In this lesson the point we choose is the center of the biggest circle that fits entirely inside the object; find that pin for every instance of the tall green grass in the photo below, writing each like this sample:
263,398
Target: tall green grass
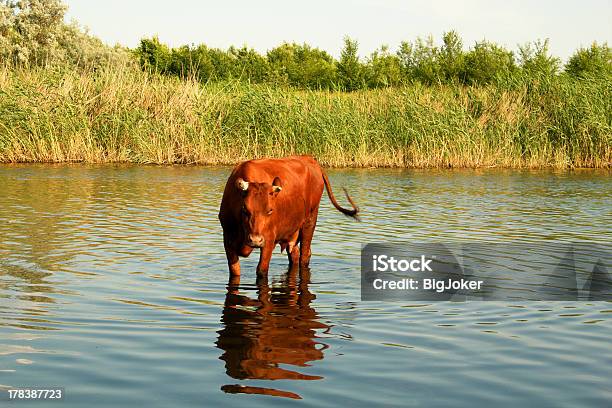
125,115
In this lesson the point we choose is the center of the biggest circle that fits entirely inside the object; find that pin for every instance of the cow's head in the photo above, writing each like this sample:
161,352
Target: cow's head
258,204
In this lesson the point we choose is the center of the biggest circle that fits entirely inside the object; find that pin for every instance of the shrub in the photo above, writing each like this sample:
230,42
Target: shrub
350,70
383,69
303,66
33,33
535,60
487,62
595,60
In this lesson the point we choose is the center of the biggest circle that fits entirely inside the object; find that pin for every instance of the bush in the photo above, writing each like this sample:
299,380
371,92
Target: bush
452,58
383,69
154,56
303,66
350,70
535,60
419,61
487,62
248,64
33,33
595,60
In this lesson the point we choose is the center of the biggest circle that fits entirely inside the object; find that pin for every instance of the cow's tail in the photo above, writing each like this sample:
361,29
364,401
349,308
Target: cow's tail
351,213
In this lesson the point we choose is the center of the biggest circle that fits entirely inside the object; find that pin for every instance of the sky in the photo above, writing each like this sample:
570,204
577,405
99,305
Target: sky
265,24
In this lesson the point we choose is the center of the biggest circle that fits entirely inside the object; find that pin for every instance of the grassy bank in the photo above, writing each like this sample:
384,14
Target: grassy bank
125,115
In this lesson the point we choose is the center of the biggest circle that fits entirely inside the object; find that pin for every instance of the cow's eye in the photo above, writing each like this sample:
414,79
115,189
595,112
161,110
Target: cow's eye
270,211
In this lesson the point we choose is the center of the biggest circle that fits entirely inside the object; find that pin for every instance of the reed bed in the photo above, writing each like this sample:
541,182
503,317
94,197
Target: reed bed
121,114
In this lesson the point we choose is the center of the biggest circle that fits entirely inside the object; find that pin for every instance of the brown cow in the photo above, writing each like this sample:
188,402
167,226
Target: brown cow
274,201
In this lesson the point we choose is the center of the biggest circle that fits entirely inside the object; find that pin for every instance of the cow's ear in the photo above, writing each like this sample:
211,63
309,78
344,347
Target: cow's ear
241,184
276,185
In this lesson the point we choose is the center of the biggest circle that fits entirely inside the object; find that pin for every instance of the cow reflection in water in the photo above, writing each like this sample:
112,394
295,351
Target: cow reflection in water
278,328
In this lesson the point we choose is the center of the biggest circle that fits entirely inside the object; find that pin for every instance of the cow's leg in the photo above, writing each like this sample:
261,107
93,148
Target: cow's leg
306,236
264,257
232,258
294,256
233,284
293,251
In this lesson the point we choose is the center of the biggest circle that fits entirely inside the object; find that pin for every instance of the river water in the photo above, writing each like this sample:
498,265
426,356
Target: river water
114,286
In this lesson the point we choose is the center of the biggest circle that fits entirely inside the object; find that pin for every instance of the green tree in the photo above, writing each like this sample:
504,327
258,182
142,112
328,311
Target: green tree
451,57
350,70
249,65
406,61
487,62
595,60
8,35
302,66
30,30
154,56
535,60
201,63
383,69
33,33
223,64
425,61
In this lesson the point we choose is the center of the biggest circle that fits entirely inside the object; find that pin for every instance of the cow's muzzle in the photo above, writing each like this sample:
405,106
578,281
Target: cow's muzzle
256,241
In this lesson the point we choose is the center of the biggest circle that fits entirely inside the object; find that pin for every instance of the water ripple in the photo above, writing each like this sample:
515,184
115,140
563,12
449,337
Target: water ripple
113,284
